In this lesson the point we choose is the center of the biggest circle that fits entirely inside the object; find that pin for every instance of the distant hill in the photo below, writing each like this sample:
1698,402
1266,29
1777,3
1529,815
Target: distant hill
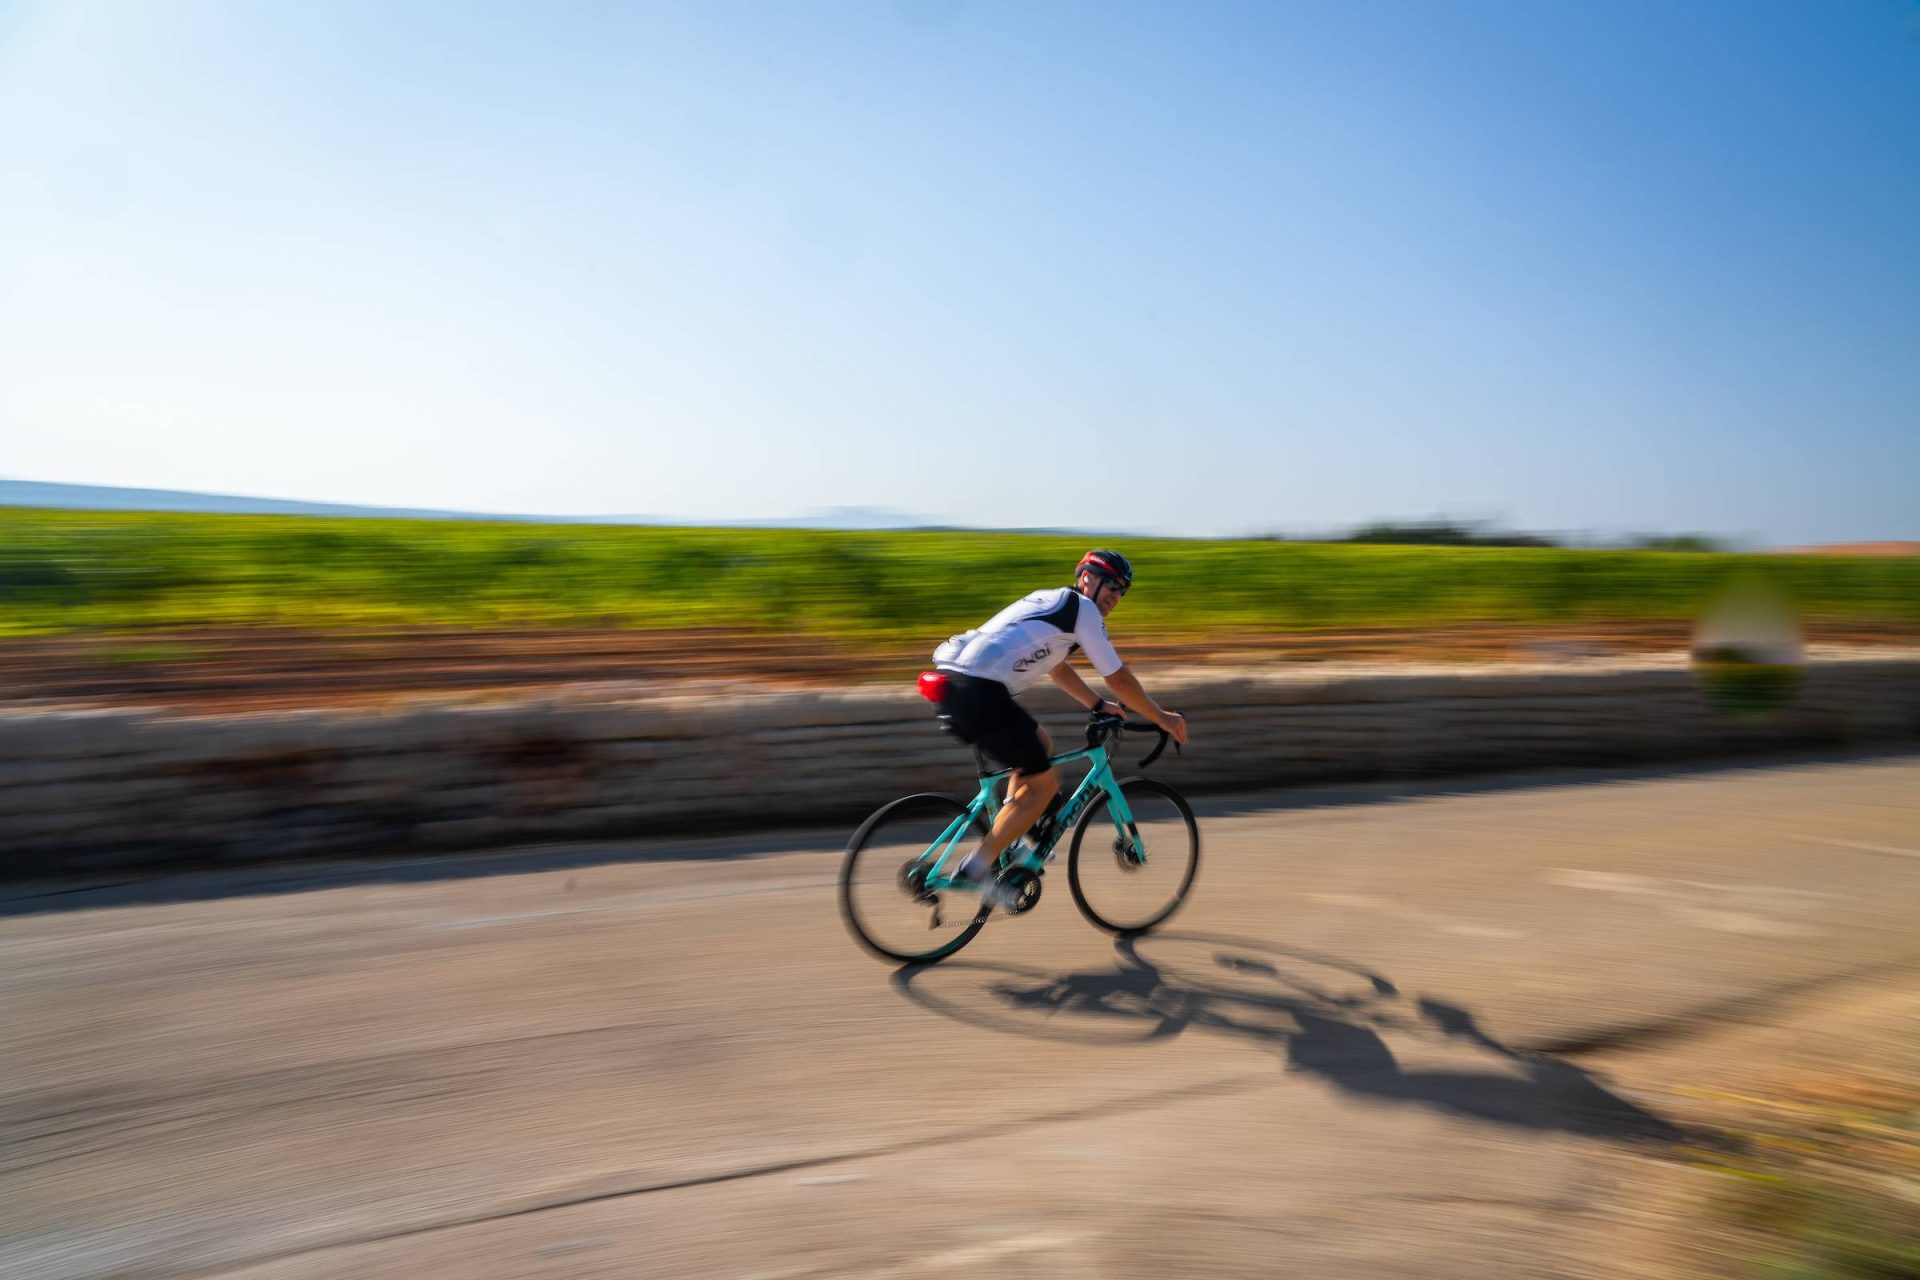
833,518
100,497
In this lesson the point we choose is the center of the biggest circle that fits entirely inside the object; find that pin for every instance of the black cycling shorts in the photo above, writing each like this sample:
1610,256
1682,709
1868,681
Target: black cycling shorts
984,713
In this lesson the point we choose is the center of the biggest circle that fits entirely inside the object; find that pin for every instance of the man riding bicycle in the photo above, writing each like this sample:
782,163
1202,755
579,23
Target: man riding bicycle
1030,638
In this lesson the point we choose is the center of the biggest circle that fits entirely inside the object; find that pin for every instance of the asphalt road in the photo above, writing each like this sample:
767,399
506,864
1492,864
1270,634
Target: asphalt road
1356,1052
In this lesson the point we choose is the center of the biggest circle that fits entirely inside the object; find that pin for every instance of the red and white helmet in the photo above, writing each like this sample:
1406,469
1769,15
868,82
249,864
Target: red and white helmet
1110,565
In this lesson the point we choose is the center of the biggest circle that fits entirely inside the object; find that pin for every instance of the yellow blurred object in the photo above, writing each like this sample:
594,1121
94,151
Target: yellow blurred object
1749,651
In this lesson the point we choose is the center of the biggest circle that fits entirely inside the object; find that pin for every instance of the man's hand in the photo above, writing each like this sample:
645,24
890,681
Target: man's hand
1175,724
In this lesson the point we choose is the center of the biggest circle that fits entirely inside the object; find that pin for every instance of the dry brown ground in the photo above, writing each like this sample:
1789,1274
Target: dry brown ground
253,669
1818,1096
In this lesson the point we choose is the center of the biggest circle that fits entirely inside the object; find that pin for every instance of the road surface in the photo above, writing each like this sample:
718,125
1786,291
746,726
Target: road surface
1356,1052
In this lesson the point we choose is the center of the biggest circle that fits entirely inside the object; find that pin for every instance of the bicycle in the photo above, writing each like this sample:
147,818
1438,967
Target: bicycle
902,858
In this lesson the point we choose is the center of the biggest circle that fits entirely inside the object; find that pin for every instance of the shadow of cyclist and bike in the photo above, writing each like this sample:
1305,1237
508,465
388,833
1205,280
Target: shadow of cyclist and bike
1328,1018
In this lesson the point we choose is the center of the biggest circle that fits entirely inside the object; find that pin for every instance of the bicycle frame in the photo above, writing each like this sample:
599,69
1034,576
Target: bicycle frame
1099,778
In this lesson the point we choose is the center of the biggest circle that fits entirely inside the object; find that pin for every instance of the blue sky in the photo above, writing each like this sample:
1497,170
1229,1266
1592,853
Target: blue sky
1189,268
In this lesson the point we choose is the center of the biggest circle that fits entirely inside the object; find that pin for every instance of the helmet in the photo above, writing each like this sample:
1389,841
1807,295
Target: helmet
1110,565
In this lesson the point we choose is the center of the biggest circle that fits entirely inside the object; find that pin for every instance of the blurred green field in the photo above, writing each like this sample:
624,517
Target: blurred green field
138,572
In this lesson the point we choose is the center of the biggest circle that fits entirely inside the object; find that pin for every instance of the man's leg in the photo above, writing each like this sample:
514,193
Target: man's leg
1025,803
1028,795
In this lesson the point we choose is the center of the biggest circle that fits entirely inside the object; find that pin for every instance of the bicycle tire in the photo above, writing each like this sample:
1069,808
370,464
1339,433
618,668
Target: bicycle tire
1130,787
928,811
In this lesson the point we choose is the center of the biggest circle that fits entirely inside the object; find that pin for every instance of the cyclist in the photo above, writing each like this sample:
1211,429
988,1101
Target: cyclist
1028,639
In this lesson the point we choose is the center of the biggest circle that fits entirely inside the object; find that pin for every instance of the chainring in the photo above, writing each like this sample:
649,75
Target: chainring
1024,886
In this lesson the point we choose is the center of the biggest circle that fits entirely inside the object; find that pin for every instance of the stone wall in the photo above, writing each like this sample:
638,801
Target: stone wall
86,790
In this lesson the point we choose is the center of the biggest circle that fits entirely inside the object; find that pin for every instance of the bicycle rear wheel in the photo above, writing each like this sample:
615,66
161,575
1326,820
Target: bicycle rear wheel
1129,878
885,909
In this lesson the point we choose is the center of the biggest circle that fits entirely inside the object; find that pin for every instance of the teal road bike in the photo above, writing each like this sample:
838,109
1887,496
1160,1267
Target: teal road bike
1135,850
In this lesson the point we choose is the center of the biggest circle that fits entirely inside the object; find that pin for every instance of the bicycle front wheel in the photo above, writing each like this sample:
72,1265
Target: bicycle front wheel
882,894
1128,877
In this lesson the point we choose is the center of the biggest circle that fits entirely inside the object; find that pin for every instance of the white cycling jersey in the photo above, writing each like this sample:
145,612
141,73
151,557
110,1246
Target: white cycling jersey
1031,637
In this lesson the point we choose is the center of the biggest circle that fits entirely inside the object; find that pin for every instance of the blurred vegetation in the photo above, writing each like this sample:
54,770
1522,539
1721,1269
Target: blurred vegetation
1442,533
1829,1183
1675,542
132,571
1453,533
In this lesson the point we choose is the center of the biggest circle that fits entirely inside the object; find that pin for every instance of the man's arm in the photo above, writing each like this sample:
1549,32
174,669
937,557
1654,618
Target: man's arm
1090,629
1074,687
1126,687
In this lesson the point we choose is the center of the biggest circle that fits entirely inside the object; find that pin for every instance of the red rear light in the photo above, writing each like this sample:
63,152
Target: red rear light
933,685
